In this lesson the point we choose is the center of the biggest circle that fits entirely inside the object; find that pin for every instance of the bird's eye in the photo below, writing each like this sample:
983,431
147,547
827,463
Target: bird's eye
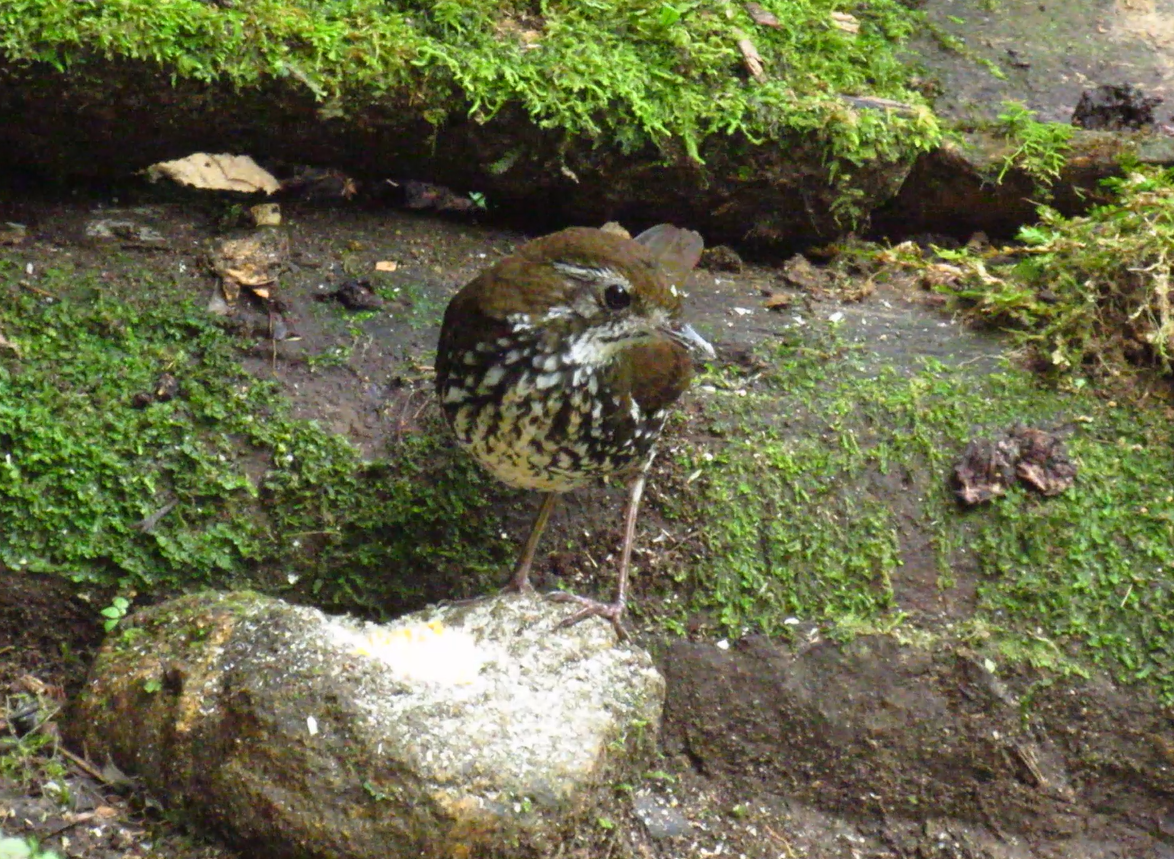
616,297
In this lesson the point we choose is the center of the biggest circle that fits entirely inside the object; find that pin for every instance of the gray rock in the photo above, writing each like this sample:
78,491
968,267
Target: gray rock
660,819
476,730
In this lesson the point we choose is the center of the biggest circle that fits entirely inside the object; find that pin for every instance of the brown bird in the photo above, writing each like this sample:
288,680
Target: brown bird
558,366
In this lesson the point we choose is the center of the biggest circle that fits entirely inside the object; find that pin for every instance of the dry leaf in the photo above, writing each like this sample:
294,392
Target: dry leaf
386,265
312,183
254,261
425,195
751,58
778,301
762,17
216,173
250,276
989,466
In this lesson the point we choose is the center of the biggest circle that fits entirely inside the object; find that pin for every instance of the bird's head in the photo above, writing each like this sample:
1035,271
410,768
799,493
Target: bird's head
592,292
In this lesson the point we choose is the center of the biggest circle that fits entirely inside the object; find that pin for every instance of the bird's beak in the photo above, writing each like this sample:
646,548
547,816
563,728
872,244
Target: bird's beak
691,340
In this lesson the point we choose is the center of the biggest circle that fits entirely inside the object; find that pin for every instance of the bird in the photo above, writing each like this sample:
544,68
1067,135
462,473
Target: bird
557,367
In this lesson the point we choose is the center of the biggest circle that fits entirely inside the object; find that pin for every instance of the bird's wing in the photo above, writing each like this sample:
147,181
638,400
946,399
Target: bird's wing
676,250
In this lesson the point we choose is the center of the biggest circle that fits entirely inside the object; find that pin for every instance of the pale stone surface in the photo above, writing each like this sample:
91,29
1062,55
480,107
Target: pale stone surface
475,730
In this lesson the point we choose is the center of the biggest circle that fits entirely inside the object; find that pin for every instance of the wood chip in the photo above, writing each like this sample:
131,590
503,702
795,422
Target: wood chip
751,58
386,265
762,17
848,23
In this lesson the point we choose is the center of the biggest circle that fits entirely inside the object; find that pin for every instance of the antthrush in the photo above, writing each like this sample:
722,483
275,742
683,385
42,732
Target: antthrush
558,365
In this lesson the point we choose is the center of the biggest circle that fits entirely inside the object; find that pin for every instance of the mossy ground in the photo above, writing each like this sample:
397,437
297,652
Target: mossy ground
794,500
627,73
804,478
829,457
794,486
248,492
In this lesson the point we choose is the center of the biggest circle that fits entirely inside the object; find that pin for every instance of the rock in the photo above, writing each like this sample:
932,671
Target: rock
475,730
660,819
781,189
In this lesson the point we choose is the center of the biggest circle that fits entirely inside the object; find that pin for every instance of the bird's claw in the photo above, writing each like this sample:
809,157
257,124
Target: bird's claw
524,588
613,612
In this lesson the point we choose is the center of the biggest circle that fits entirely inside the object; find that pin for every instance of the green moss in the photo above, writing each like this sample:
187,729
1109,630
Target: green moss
1039,149
1090,294
248,492
824,463
622,72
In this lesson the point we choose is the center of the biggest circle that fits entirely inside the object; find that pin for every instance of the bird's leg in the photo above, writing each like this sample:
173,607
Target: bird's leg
613,611
520,581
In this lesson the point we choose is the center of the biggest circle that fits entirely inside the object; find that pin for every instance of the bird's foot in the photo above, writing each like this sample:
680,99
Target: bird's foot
613,612
518,586
514,586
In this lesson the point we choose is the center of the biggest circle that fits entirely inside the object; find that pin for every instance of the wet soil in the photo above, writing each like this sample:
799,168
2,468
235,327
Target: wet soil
878,749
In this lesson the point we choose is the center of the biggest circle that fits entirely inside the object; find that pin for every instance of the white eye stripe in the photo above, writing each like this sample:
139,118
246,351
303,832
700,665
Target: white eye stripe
591,274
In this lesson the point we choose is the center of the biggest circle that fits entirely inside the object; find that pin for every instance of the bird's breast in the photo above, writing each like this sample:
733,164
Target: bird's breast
537,419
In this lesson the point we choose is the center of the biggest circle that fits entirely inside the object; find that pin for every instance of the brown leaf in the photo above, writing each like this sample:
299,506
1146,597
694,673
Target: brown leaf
248,275
778,301
676,249
1037,457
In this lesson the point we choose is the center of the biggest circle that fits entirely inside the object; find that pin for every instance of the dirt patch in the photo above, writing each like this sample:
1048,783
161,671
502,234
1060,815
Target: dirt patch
875,734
